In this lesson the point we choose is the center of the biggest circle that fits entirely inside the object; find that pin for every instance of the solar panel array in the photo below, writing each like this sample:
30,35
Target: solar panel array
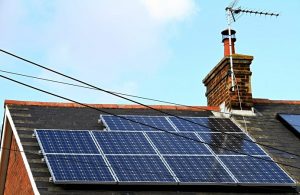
131,153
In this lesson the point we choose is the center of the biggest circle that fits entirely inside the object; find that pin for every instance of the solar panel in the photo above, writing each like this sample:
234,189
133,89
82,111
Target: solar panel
167,143
204,124
117,123
59,141
79,169
253,170
292,121
235,144
114,142
198,169
140,169
130,153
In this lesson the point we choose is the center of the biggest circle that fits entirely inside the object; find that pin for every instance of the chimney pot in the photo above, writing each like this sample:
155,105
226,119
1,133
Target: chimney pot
225,40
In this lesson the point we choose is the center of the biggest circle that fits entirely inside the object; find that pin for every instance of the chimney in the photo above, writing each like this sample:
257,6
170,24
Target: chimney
218,81
225,40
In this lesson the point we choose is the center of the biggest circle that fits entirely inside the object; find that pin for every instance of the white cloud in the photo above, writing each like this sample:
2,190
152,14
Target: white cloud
112,43
170,10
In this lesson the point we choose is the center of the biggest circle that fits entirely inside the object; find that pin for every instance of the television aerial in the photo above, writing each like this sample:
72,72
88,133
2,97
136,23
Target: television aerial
233,13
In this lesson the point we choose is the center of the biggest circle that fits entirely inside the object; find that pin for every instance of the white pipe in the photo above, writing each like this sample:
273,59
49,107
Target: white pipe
230,49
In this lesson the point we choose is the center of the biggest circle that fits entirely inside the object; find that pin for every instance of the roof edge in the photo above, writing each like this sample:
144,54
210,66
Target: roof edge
268,101
223,60
110,106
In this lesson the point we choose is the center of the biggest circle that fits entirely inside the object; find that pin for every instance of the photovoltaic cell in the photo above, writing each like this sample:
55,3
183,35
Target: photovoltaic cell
205,124
117,123
59,141
253,170
79,169
114,142
235,144
140,169
168,143
198,169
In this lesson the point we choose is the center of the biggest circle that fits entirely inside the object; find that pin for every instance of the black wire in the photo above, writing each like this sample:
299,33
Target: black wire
82,86
238,137
137,122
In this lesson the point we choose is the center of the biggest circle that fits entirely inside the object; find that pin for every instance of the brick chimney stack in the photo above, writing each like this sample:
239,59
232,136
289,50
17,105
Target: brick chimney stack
218,80
225,40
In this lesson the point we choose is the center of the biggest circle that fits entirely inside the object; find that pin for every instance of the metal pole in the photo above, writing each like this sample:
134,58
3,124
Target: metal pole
230,49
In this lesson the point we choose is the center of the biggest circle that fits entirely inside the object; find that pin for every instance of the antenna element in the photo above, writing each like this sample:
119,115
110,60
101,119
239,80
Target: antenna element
232,14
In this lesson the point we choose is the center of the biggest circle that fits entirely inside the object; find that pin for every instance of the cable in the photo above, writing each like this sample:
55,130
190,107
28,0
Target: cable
238,137
135,96
239,98
109,92
82,86
137,122
120,96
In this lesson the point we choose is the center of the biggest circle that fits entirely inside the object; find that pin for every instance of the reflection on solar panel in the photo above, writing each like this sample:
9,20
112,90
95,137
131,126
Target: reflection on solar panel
234,144
173,144
198,169
113,142
116,123
79,169
292,121
205,124
140,169
252,170
132,154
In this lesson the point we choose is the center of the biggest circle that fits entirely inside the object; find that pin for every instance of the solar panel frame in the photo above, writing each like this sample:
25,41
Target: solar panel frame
233,170
65,181
139,126
50,167
45,150
123,181
192,160
105,141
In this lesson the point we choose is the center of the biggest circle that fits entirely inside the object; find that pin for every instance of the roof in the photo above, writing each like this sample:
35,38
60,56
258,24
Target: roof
27,116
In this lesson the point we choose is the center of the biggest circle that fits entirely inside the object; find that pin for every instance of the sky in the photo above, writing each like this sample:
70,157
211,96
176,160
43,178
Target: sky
158,49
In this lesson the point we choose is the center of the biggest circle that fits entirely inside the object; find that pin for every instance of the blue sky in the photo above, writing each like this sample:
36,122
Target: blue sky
153,48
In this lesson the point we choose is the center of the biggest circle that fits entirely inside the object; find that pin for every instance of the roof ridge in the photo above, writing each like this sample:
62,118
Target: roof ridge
109,106
268,101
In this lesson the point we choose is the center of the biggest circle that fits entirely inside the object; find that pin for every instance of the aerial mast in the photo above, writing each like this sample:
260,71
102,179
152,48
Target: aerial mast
232,12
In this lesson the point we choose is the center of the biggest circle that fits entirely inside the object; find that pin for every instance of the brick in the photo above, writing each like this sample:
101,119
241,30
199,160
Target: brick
218,90
17,180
